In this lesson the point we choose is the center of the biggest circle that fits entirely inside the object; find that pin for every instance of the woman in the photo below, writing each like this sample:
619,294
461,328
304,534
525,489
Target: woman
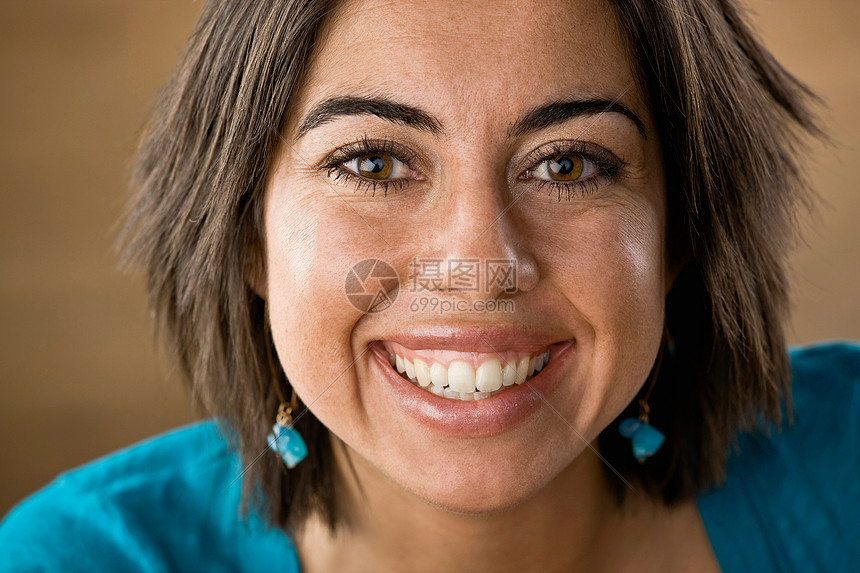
513,272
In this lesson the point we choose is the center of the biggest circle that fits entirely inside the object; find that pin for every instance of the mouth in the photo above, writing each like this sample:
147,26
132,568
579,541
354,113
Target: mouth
465,376
464,383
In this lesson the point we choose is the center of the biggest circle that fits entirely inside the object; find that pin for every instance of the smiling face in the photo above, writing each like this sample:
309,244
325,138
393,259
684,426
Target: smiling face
513,131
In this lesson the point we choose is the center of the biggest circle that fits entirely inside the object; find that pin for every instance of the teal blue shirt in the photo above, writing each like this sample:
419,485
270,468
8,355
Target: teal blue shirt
791,501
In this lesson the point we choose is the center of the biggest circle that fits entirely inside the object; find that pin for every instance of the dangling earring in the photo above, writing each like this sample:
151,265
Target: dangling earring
284,439
645,438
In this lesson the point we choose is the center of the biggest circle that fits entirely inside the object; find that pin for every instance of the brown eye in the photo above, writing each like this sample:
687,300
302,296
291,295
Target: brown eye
376,166
565,168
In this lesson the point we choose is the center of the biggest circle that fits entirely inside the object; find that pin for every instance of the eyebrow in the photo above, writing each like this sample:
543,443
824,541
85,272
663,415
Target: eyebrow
541,117
558,112
380,107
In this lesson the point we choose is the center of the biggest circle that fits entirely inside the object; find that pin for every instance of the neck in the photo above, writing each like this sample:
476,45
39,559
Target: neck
571,524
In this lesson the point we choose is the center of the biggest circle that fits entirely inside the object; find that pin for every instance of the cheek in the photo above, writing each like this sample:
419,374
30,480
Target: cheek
612,276
629,273
629,308
309,253
610,263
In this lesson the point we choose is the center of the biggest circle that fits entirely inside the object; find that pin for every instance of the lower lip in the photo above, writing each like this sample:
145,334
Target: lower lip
476,418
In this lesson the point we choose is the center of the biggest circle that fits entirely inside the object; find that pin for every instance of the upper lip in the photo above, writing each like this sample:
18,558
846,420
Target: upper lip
474,338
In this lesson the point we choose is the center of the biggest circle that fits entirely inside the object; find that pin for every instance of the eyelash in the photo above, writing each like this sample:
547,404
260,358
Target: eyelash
333,163
608,164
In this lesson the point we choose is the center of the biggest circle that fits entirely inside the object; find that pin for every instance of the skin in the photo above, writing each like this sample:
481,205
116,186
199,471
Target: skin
593,268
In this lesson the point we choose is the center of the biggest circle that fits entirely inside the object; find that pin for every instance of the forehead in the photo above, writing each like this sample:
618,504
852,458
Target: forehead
466,59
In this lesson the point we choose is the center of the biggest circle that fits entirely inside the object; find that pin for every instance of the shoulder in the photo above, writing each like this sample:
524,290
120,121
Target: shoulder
791,495
824,438
169,503
826,371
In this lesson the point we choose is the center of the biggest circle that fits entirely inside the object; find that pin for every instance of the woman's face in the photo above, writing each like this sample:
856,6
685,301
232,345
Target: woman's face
446,137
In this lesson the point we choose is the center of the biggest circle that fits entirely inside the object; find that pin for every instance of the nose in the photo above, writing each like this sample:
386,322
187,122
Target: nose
482,248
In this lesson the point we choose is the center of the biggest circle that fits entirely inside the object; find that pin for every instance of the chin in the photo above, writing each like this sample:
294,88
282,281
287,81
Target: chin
487,479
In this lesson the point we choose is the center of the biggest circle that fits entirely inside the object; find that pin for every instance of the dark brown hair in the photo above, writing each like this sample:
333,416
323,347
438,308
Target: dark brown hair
729,120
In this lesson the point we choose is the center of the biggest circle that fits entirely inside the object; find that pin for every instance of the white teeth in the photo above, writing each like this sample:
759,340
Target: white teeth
422,372
448,393
461,376
438,375
541,361
538,363
410,370
509,374
522,370
460,381
489,376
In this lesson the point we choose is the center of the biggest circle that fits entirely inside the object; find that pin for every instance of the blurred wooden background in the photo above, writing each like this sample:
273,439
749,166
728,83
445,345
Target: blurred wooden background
79,373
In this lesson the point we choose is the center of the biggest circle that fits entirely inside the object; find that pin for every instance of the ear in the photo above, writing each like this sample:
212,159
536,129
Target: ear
254,271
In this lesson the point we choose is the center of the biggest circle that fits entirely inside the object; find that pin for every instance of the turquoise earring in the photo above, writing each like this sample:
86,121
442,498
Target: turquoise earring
284,439
645,438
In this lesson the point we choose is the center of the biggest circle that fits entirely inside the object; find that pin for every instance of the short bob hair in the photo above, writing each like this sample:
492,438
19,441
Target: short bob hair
730,122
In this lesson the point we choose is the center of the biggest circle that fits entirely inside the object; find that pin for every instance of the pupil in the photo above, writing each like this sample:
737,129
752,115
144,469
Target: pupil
563,166
373,164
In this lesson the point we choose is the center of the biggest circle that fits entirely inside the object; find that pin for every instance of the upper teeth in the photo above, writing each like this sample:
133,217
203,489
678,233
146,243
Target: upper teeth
460,379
